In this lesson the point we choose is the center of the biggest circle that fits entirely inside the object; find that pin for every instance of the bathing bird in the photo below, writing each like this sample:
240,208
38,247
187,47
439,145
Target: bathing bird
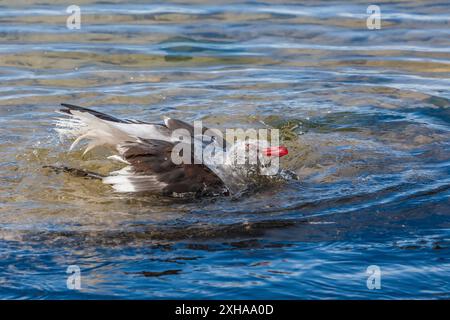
151,152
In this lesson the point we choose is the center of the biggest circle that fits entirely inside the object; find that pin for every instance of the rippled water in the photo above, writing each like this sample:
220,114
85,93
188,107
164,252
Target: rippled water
365,114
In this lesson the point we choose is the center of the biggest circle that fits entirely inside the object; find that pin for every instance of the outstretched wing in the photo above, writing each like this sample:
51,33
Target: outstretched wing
68,108
102,129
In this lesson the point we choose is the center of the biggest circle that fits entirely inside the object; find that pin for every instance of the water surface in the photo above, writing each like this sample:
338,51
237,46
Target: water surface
365,114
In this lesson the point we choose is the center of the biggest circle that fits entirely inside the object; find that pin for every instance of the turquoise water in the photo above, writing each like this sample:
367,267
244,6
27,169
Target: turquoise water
364,113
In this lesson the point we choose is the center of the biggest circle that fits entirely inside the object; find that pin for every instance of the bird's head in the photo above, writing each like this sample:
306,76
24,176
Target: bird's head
255,153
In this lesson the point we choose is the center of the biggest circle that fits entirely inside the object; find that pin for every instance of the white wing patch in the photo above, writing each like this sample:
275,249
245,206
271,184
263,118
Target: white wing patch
125,180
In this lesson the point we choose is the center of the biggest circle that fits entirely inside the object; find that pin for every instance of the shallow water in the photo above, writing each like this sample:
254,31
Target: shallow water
365,114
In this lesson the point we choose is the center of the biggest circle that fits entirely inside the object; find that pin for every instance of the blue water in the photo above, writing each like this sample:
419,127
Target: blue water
364,113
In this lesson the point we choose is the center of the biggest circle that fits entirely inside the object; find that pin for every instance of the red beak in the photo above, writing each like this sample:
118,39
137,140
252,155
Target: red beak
275,151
